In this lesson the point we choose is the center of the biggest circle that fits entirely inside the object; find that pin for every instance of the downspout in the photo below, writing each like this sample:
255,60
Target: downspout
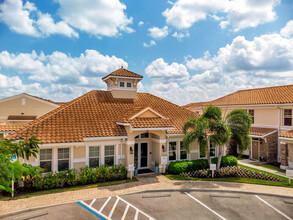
279,122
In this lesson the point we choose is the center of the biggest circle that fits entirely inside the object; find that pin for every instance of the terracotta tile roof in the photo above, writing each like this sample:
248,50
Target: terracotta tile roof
11,127
257,131
2,122
268,95
21,117
95,115
125,73
196,105
288,134
150,123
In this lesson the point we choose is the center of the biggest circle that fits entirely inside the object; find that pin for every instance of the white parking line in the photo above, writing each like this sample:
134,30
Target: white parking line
96,211
104,205
113,208
277,210
136,215
93,202
137,210
125,212
217,214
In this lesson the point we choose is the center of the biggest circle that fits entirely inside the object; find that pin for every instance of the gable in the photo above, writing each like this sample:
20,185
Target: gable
147,113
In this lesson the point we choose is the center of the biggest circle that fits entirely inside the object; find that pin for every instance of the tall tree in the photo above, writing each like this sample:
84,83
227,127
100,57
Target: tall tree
211,127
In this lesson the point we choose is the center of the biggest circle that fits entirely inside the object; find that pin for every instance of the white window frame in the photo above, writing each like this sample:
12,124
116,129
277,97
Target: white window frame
287,117
172,150
110,145
63,158
214,147
95,157
123,84
180,150
47,160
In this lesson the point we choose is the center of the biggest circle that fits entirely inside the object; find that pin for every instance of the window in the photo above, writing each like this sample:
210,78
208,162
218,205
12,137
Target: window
63,159
288,117
212,150
172,150
121,84
183,153
129,85
46,159
251,112
109,155
144,135
94,153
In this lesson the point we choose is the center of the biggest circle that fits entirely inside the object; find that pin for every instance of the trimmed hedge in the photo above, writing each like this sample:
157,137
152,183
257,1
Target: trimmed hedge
178,167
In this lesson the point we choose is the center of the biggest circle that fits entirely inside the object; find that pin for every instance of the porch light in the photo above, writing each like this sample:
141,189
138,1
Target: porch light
131,150
163,148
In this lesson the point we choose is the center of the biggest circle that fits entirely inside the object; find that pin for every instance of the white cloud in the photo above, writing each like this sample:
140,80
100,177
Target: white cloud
287,31
140,23
18,18
160,70
264,61
180,35
59,68
237,14
47,26
152,43
96,17
158,33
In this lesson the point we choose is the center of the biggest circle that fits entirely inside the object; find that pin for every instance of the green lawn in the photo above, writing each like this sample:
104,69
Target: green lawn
269,167
44,192
238,179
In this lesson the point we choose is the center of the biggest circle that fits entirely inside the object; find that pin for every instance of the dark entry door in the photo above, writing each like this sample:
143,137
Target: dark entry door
136,153
143,155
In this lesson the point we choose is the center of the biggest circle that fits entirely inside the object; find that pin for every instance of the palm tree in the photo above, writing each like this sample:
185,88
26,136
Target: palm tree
211,128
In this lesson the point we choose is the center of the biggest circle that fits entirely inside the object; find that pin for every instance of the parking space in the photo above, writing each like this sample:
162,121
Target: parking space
172,205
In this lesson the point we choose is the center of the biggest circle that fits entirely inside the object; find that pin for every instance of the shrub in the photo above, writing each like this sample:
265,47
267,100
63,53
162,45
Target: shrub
232,171
85,175
178,167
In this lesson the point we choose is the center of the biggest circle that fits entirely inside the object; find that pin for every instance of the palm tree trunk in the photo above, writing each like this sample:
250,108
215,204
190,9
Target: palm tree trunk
219,158
209,157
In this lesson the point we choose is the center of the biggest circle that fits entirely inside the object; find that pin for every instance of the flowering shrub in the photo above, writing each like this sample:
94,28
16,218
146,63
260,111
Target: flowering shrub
86,175
232,171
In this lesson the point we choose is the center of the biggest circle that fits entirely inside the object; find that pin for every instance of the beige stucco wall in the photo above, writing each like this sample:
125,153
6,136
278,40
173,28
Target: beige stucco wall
78,165
123,94
290,152
31,107
79,152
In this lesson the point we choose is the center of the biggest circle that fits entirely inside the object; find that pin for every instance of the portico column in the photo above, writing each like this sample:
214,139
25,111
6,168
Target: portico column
129,155
163,152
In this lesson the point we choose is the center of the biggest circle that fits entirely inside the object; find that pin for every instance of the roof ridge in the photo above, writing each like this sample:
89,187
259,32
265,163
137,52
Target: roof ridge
269,87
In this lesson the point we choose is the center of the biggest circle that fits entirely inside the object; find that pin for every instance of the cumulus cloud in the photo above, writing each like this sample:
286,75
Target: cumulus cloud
287,31
180,35
264,61
237,14
140,23
96,17
158,33
60,68
160,70
152,43
18,18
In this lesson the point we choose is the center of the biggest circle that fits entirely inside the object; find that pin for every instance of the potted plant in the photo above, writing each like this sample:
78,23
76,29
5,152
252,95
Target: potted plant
135,169
156,167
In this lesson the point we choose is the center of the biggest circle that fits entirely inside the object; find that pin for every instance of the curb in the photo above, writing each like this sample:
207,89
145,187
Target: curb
149,191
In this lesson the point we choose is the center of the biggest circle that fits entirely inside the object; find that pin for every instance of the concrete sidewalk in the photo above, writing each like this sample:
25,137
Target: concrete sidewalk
247,162
148,182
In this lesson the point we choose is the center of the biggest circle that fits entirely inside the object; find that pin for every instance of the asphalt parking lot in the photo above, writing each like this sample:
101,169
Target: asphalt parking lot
171,205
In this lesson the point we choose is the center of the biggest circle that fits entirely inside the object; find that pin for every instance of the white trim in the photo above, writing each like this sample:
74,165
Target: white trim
121,77
71,157
62,144
79,160
28,96
174,135
103,138
116,160
284,138
132,89
144,129
130,142
147,109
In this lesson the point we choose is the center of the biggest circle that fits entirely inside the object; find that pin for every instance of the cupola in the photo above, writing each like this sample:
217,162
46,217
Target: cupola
122,83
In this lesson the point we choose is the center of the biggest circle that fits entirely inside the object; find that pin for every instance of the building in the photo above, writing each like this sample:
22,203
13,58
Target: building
117,126
17,111
271,111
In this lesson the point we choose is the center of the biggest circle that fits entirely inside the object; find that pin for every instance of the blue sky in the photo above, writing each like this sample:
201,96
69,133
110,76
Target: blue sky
187,51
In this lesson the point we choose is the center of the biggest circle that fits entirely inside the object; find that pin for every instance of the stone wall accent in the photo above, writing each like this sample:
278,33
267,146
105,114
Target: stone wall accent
284,154
269,148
